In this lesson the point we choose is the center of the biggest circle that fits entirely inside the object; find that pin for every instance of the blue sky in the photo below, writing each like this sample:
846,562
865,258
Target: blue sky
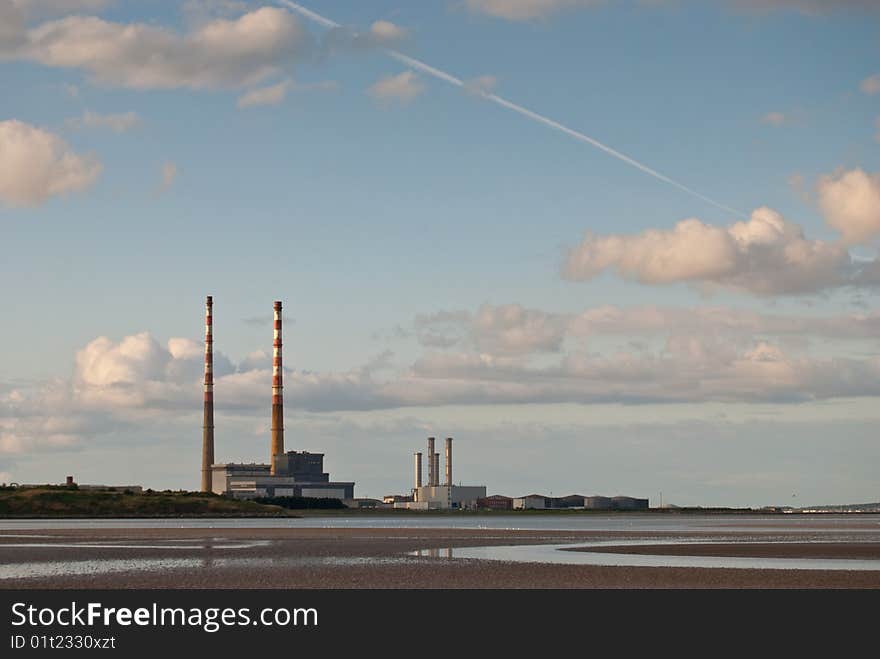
432,247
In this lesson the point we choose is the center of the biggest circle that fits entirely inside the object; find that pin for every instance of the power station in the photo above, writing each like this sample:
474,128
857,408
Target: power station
291,473
433,495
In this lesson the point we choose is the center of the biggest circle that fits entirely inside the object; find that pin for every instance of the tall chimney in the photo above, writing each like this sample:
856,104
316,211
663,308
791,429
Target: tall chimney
277,395
449,461
430,461
436,469
208,425
418,470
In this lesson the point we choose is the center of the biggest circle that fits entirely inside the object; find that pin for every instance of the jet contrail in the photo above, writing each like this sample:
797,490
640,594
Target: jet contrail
519,109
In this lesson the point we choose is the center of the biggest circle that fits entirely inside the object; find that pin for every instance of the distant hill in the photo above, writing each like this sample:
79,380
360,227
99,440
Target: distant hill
62,501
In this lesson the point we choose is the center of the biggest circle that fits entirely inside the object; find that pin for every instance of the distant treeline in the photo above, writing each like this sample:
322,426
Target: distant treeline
302,503
54,501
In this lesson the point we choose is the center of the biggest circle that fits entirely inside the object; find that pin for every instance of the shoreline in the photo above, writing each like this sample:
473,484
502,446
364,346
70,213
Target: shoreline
300,513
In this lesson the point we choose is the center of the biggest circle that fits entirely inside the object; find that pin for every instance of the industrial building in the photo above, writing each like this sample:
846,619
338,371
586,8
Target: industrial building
541,502
531,502
495,502
433,495
615,503
288,474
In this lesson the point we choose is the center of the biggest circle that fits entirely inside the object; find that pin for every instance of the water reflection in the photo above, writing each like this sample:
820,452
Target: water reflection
556,554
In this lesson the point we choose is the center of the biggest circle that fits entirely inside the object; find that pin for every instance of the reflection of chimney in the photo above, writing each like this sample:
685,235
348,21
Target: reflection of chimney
436,469
430,461
449,461
418,469
277,395
208,425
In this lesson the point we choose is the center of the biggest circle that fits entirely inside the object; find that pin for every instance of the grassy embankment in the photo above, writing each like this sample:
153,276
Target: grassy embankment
61,501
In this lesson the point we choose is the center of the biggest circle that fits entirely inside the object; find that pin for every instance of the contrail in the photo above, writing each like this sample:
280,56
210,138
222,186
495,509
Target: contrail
519,109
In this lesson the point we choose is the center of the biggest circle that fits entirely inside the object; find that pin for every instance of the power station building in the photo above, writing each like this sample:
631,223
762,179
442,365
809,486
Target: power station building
290,473
433,495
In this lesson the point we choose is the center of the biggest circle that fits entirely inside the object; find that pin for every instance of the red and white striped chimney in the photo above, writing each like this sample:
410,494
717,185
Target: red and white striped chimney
208,425
277,395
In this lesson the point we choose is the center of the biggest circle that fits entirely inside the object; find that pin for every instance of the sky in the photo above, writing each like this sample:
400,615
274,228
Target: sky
634,251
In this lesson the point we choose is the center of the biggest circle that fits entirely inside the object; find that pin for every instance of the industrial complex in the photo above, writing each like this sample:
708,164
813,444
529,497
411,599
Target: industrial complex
301,473
288,474
433,495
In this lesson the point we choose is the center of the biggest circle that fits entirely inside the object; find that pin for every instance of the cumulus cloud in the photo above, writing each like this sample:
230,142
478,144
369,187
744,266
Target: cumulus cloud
272,95
387,32
118,123
403,87
222,53
871,85
138,371
850,201
36,165
766,255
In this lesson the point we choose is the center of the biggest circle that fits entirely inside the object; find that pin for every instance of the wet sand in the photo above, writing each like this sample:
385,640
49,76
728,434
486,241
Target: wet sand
379,558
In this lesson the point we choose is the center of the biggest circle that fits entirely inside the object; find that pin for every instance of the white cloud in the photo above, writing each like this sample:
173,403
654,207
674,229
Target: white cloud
513,329
509,329
221,53
850,201
774,119
871,85
118,123
36,165
403,87
387,32
505,354
524,10
272,95
766,255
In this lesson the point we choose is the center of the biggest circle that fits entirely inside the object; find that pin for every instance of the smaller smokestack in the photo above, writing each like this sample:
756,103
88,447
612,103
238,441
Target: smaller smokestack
418,470
449,461
436,470
430,461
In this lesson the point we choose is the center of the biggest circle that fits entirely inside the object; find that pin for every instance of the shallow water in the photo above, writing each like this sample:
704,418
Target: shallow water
533,522
558,554
100,566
